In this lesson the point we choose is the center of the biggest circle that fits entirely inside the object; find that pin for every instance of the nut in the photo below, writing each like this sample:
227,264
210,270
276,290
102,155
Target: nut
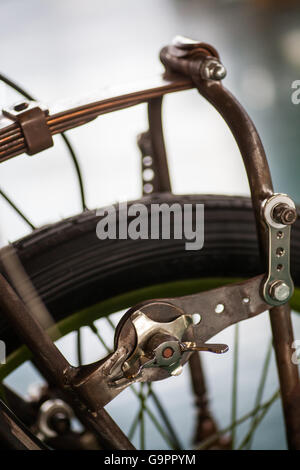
284,214
212,69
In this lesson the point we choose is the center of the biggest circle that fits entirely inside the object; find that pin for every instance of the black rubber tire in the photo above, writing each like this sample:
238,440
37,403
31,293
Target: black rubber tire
72,269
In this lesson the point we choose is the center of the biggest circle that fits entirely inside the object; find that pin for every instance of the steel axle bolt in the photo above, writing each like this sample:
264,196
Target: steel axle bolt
279,290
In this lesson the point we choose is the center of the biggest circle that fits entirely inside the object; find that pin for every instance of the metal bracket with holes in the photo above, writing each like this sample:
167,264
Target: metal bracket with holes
279,213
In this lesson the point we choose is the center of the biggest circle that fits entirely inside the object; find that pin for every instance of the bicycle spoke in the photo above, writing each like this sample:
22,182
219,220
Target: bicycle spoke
234,383
29,97
156,422
77,170
110,322
255,422
260,389
95,330
160,429
133,427
16,209
165,419
78,347
141,418
212,439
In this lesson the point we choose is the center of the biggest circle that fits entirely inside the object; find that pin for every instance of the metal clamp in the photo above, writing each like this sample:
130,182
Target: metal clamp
31,117
279,213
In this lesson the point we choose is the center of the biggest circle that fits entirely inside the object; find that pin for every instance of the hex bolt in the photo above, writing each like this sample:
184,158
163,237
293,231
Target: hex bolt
212,69
279,290
284,214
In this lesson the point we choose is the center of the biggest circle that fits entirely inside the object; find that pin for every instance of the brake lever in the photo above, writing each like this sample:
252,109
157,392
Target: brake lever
191,346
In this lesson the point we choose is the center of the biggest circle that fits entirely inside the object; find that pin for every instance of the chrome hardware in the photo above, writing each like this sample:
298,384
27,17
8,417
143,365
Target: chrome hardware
278,287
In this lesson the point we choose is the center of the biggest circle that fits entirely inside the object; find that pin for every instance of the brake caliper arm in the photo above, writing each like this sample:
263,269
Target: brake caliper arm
154,339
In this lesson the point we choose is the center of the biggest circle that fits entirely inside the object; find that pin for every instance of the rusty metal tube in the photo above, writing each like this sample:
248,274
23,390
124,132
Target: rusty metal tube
56,367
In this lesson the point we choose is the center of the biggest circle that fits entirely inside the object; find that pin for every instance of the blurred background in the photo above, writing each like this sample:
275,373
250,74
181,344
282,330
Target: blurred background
66,49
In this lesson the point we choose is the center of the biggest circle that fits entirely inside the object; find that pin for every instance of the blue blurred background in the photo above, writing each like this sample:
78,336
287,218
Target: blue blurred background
66,49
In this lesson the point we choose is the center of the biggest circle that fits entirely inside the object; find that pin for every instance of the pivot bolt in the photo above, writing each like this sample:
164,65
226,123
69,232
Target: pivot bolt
213,70
279,290
284,214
